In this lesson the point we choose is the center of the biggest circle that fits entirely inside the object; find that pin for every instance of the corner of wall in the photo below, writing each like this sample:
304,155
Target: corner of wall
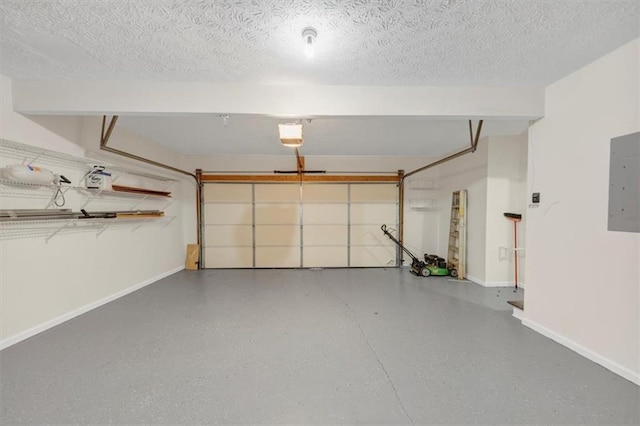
506,192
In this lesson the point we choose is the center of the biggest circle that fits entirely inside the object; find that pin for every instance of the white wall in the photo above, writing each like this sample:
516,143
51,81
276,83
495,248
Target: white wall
43,283
582,280
467,172
506,192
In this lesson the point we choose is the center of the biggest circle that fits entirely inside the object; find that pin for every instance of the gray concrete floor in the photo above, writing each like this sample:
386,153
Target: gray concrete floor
302,346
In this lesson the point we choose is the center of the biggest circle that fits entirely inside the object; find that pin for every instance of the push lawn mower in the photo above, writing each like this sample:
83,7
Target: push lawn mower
438,266
432,264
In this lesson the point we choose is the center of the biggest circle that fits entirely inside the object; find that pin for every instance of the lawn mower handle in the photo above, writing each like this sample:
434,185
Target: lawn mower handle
384,229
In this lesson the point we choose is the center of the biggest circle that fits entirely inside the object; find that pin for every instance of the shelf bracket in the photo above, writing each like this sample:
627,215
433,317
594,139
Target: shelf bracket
137,203
91,197
140,225
169,222
33,159
169,203
66,225
104,228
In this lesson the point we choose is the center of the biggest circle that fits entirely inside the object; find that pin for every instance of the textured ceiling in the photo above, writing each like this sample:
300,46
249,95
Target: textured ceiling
360,42
206,134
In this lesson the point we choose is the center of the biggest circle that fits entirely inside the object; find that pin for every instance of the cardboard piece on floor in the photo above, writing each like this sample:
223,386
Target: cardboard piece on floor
193,254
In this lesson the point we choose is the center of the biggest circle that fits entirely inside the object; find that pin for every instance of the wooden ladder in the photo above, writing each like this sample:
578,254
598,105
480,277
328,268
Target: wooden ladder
456,258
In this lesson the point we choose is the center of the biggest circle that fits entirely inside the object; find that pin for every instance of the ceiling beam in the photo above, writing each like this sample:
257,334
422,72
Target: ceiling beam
170,98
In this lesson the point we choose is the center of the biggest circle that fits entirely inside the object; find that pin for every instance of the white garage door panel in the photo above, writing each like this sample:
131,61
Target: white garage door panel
373,256
325,257
278,235
228,214
325,193
277,193
277,257
264,224
228,235
228,193
374,214
374,193
369,235
228,257
325,235
325,214
275,214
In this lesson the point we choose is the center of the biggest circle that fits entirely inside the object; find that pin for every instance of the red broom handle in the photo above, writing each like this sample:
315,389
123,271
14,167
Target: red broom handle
515,248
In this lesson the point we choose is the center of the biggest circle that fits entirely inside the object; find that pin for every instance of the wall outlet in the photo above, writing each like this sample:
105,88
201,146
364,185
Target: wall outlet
535,197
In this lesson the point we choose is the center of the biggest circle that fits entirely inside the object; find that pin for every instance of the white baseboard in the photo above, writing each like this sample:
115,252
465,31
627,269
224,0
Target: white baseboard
518,313
493,283
12,340
585,352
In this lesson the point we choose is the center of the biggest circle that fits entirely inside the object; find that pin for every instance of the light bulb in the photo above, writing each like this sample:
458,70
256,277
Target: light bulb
309,35
308,47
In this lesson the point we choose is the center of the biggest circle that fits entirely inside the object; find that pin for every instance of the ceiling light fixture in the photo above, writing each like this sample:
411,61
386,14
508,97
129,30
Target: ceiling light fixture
291,134
309,35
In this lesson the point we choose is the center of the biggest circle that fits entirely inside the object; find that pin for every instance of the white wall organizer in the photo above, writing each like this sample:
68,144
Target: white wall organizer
424,204
423,184
136,192
423,194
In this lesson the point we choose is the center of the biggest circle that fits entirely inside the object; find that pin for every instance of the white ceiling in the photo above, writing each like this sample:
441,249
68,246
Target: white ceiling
383,136
373,42
360,42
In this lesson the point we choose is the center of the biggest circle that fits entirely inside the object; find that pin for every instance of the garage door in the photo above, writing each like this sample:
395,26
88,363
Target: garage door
284,225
